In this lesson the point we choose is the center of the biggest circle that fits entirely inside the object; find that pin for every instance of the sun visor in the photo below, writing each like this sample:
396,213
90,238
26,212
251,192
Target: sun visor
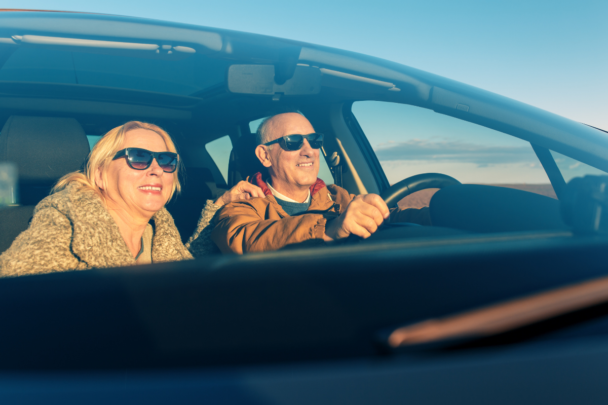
260,79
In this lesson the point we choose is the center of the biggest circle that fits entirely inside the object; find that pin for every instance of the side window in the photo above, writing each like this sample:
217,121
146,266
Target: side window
254,125
410,140
324,172
571,168
219,150
93,139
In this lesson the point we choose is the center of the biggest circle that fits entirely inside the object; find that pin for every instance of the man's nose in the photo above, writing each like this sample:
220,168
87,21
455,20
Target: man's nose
306,149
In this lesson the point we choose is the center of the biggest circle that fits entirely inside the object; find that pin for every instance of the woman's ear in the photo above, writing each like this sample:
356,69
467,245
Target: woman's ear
99,179
261,152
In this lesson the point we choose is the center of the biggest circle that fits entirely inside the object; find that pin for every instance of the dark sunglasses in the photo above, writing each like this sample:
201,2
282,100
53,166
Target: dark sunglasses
295,142
141,159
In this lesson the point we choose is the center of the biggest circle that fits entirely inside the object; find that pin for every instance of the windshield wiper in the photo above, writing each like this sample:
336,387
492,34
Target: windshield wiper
503,317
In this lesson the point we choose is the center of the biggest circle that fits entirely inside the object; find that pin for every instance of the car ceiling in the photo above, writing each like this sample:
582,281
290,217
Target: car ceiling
347,77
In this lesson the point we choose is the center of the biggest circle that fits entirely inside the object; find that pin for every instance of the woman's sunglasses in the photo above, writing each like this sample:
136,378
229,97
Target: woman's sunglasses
295,142
141,159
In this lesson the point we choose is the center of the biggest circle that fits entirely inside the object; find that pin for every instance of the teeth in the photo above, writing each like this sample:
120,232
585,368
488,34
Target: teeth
305,164
149,188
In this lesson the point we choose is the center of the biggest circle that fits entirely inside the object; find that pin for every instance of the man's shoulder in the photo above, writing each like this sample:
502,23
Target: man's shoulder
240,207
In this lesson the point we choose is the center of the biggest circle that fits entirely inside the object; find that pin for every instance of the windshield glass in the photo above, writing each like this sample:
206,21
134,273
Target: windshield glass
410,140
571,168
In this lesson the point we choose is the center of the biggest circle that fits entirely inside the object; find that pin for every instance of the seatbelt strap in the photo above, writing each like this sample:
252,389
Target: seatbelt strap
336,168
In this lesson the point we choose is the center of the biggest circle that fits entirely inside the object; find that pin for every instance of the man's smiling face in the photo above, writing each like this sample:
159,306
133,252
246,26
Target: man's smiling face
291,171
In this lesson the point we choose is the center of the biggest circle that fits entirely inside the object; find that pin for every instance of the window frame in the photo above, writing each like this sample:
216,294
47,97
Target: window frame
550,166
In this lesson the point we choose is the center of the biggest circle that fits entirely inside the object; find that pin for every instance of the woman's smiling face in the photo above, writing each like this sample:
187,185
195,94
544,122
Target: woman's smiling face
139,192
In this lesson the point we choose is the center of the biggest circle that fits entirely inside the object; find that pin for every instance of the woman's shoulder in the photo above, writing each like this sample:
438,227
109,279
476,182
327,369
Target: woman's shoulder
167,243
164,226
74,195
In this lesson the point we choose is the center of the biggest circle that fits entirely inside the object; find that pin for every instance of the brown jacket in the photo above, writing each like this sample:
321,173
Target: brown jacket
72,230
261,224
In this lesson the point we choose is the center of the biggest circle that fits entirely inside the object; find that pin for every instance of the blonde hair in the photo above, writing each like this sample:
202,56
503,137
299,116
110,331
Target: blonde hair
103,153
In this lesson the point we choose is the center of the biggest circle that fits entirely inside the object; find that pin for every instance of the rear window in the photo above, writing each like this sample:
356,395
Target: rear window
93,139
219,150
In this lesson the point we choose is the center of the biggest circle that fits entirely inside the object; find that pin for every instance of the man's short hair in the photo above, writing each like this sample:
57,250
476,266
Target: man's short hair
261,135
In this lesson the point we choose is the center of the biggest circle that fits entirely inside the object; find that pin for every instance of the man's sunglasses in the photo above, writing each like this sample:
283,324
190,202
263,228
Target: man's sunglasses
295,142
141,159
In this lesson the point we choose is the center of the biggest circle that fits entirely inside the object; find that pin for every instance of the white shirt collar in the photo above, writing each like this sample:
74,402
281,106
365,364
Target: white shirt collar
284,198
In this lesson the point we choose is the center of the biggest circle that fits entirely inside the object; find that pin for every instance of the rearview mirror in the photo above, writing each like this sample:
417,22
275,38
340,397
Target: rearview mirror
260,79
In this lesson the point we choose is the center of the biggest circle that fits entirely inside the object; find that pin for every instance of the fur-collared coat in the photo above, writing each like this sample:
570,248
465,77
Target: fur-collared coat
72,230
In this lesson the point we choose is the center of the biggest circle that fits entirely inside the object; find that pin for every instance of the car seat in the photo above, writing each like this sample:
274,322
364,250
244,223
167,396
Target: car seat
243,161
198,186
44,149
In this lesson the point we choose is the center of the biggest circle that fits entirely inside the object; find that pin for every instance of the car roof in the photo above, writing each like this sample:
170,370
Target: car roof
412,86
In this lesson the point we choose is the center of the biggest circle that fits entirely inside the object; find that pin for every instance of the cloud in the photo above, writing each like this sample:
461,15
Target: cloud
397,170
454,151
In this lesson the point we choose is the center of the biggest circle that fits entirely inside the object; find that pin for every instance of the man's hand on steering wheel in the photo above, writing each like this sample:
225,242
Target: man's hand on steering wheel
362,217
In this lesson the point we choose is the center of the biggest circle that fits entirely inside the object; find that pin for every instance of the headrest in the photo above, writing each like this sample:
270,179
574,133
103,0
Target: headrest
243,161
43,148
194,183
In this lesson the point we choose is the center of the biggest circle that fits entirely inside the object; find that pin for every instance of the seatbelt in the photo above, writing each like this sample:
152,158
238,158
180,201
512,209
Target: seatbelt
336,168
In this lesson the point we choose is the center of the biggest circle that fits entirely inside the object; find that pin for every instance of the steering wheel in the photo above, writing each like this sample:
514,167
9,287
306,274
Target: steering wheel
396,192
392,196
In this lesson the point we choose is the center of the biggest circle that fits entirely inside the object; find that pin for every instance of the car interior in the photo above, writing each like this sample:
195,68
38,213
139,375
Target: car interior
59,142
46,133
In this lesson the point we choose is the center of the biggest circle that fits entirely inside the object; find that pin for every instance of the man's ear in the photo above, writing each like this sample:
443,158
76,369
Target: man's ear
262,153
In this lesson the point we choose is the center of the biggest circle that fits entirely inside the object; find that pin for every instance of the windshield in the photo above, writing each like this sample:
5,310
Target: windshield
571,168
410,140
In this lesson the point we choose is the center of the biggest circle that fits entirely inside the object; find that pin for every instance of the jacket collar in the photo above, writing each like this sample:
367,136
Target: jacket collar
320,198
96,238
258,180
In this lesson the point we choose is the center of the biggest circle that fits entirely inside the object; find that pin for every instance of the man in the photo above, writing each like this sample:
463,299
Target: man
298,206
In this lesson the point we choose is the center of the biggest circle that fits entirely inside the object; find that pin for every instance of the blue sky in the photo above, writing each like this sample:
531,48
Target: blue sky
551,54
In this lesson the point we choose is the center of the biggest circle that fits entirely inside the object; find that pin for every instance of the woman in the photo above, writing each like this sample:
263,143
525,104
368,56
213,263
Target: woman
113,214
